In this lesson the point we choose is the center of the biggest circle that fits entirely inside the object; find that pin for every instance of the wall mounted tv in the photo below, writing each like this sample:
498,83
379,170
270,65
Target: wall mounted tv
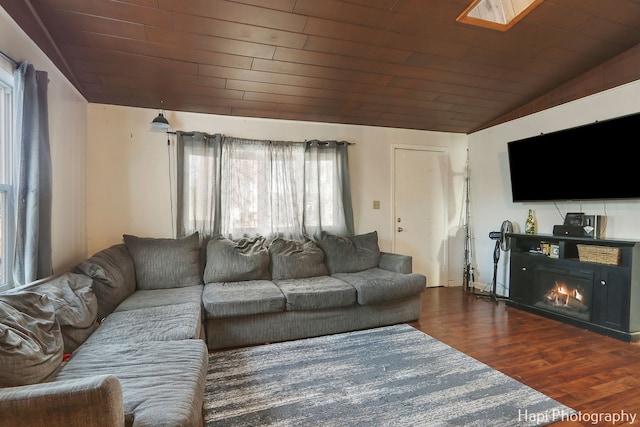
596,161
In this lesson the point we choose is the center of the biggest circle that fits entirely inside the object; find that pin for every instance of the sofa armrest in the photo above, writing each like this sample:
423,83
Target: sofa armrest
93,401
396,262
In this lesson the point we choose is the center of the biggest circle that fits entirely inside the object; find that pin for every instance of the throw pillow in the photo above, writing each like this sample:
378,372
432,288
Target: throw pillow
31,346
76,306
165,263
236,260
296,260
113,274
350,254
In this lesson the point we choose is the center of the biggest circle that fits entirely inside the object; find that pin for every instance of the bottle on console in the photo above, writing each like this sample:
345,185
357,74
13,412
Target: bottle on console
530,224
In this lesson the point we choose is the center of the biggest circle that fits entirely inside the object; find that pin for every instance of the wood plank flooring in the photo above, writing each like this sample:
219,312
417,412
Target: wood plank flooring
589,372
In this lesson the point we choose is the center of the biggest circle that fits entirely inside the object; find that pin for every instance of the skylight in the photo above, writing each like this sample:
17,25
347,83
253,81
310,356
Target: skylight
497,14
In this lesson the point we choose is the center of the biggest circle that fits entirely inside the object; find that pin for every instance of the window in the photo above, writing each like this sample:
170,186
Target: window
497,14
261,188
6,178
238,187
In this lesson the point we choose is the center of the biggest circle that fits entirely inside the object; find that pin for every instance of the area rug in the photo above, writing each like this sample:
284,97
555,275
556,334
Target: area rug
389,376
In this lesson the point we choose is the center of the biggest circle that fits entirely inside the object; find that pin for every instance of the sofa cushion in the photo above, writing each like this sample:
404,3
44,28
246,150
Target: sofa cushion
144,298
348,254
227,299
76,306
314,293
31,345
377,285
165,263
113,274
236,260
162,382
164,323
292,259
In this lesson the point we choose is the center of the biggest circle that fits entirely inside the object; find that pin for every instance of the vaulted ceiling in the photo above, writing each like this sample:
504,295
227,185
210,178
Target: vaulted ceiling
396,63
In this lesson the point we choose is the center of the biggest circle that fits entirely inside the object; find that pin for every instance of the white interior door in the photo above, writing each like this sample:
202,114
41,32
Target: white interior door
420,209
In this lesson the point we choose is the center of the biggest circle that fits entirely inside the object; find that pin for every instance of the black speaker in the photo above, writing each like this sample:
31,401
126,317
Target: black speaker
568,230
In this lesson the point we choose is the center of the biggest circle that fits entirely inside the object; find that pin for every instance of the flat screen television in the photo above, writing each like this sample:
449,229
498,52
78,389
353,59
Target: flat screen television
597,161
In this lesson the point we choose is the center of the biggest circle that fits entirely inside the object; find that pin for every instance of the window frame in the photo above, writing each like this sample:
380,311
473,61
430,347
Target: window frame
7,153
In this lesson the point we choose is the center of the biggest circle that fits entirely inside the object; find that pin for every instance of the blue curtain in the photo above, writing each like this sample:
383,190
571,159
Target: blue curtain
32,258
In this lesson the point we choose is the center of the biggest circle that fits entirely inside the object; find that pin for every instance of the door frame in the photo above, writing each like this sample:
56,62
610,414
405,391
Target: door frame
447,176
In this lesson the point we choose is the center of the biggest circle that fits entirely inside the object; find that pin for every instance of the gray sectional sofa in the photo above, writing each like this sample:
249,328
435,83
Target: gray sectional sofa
256,293
136,353
123,338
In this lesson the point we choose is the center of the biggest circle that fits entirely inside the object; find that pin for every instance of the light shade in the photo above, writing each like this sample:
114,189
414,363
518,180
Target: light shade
160,122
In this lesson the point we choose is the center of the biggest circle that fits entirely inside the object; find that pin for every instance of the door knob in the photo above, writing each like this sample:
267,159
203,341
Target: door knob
400,229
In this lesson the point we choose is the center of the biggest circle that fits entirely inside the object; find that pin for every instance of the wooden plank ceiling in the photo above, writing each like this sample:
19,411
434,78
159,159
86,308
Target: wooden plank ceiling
396,63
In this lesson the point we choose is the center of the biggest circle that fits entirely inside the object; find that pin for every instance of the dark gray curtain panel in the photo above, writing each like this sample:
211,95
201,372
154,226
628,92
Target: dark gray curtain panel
32,258
328,206
198,179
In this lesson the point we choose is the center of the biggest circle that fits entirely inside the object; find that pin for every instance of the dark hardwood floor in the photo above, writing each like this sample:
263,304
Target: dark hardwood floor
591,373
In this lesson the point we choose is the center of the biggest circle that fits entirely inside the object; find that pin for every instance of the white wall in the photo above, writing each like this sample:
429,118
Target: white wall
128,182
490,185
67,134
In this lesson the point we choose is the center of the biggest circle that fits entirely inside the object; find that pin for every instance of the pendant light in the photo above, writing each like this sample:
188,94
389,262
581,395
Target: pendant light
160,121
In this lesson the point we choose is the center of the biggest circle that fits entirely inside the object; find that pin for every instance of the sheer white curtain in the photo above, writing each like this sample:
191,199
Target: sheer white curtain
242,187
261,188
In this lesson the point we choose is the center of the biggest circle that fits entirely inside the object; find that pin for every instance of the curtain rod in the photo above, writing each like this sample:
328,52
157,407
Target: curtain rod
8,58
191,134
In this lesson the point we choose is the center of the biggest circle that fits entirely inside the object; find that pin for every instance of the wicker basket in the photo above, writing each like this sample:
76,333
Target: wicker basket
599,254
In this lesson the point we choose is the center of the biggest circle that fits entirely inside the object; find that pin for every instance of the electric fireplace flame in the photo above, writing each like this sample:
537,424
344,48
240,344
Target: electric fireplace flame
562,295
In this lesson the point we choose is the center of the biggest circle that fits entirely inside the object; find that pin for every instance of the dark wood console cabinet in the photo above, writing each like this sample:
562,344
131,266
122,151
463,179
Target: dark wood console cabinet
611,301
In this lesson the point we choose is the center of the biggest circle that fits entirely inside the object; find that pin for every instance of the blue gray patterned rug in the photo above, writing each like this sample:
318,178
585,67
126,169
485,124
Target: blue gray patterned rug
391,376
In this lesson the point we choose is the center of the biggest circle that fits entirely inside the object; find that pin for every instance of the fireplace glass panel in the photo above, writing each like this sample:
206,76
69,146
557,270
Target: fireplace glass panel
564,292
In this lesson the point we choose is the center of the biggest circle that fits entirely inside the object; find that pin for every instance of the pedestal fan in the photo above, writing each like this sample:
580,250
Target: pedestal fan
503,242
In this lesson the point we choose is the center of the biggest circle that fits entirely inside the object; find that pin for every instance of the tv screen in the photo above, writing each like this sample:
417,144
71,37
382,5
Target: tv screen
590,162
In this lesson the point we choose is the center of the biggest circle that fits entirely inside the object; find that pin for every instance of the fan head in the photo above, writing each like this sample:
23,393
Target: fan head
505,241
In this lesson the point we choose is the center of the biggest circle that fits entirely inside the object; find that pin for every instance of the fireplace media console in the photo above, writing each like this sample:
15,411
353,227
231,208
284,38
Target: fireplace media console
598,294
